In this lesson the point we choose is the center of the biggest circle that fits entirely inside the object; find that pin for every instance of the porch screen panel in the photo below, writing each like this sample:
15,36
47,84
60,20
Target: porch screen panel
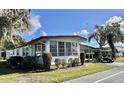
68,48
74,48
61,49
53,48
38,47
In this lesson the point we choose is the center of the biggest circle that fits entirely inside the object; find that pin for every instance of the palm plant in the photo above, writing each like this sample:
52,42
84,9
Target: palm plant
99,36
13,22
113,34
110,33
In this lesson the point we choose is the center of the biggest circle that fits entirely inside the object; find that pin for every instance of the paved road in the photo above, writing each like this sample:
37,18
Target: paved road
115,75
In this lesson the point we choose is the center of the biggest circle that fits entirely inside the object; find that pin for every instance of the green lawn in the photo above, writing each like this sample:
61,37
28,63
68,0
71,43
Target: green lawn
120,59
8,75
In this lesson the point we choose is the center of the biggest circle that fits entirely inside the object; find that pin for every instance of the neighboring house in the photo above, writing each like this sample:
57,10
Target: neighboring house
93,52
62,47
120,51
89,51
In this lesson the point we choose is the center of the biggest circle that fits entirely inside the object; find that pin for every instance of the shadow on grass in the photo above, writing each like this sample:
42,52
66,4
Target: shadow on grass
5,69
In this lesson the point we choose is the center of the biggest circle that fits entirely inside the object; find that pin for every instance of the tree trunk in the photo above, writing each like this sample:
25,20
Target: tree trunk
111,44
100,53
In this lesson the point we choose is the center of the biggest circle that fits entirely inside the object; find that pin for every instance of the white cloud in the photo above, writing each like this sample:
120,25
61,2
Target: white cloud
114,19
44,33
83,32
35,22
103,25
122,26
116,44
119,44
74,33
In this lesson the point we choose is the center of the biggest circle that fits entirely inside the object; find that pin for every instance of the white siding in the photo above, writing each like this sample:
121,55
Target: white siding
20,51
9,53
47,46
47,49
30,50
15,52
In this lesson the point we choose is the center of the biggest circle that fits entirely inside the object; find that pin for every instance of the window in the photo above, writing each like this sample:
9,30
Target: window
32,50
61,49
68,48
74,48
23,51
17,52
38,47
53,48
27,51
13,52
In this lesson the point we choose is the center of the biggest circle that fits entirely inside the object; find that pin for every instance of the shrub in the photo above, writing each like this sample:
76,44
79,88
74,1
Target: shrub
76,61
15,61
58,63
1,58
70,61
39,63
28,63
38,66
63,62
73,63
47,57
3,64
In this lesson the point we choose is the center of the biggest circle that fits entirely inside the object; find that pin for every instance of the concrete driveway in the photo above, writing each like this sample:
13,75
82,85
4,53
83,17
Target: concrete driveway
115,75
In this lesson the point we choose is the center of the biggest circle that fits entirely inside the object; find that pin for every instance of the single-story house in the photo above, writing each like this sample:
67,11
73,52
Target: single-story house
120,51
89,51
62,47
92,52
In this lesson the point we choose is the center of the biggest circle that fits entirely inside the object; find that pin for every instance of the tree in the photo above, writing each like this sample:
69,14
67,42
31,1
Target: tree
108,34
99,36
13,22
113,34
19,41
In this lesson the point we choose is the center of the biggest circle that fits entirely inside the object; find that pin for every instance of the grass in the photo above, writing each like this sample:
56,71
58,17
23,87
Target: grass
8,75
120,59
78,72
